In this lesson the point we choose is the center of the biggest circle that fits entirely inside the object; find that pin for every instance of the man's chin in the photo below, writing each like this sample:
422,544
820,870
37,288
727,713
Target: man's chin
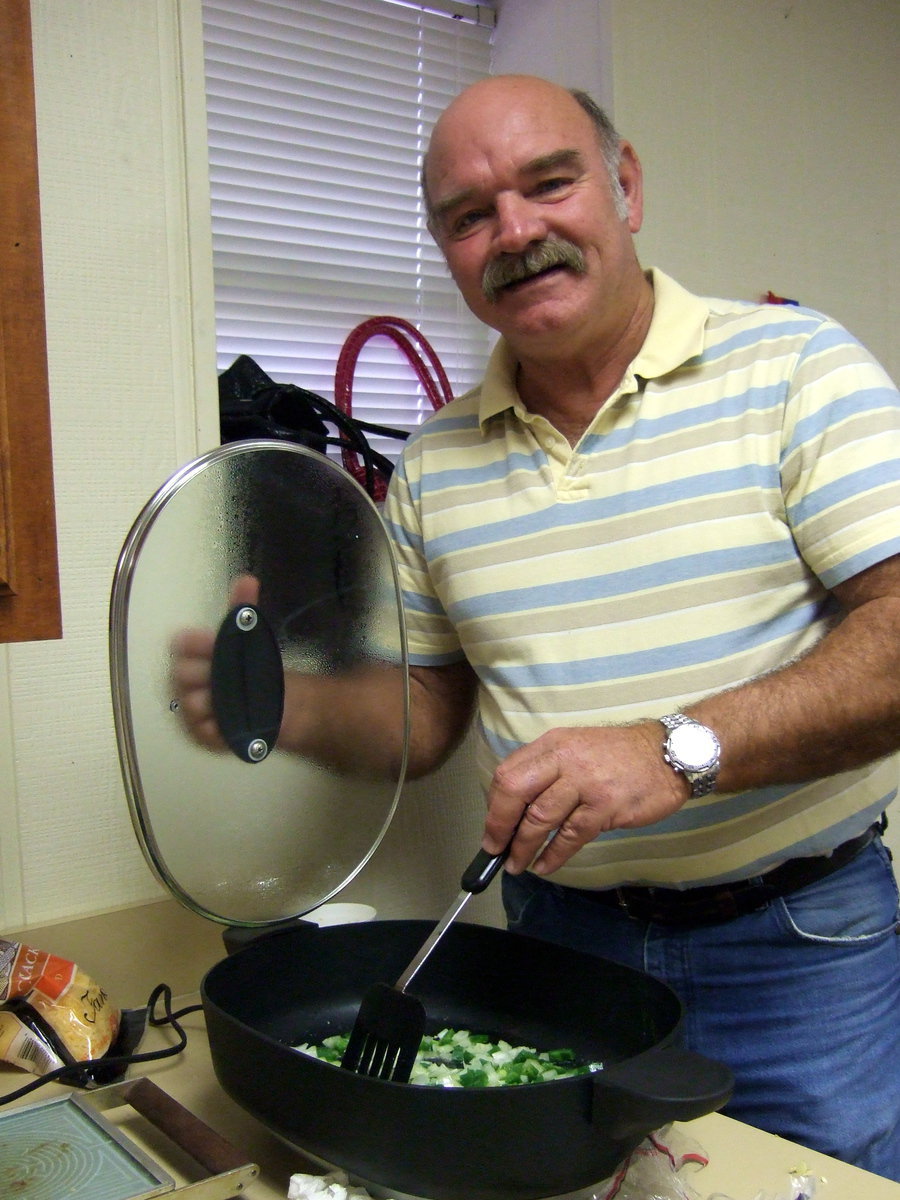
527,322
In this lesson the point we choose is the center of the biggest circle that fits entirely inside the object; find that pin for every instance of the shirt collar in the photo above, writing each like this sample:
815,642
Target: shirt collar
676,334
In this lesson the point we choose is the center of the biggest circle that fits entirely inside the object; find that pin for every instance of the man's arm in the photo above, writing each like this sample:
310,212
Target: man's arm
354,721
836,708
351,721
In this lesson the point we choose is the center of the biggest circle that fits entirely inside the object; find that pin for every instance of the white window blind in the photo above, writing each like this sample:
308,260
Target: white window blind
318,116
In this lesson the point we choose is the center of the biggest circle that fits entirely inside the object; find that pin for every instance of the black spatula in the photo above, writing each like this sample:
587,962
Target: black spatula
389,1026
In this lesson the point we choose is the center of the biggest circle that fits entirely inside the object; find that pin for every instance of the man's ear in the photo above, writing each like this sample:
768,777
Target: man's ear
631,177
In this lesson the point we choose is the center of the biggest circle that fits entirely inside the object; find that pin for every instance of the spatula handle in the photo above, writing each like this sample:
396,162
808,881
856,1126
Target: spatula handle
481,870
477,875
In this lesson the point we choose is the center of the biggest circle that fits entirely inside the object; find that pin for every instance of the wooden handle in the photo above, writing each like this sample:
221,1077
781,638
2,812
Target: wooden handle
187,1131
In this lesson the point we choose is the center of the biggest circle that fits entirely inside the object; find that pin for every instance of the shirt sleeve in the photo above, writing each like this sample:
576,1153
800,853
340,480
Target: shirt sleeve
840,462
431,637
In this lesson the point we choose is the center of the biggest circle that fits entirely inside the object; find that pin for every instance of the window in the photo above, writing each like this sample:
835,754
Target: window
318,116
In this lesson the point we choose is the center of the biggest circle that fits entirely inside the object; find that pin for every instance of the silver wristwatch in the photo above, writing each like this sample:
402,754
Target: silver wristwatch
693,751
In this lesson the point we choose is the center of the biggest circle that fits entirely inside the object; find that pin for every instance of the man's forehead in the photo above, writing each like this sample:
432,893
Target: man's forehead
557,118
506,126
553,160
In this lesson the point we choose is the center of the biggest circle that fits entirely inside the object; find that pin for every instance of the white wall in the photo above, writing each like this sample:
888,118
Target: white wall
570,44
768,132
765,170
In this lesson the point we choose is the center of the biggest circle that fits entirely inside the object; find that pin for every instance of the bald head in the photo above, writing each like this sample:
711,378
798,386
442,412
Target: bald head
483,101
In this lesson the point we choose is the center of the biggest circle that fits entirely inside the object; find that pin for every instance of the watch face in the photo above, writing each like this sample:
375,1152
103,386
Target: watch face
693,747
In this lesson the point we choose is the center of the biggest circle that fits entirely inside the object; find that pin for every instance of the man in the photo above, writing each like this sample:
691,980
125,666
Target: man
661,507
659,550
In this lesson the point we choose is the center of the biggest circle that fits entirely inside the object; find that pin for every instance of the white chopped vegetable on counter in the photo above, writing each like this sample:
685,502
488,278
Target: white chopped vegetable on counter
335,1186
458,1058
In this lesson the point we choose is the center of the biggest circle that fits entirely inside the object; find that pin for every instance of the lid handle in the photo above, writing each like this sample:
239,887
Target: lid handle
247,683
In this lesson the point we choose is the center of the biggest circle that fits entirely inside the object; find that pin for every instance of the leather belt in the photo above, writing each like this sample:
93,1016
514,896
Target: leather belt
723,902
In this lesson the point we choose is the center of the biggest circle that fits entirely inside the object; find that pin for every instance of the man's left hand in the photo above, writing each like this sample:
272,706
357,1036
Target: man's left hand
569,785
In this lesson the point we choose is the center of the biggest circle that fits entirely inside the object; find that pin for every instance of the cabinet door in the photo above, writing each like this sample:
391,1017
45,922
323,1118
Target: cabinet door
29,577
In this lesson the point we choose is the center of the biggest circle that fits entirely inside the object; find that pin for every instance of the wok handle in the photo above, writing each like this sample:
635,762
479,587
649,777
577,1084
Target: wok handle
650,1090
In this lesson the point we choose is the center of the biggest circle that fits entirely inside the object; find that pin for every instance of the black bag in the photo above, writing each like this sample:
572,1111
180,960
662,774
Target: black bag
252,405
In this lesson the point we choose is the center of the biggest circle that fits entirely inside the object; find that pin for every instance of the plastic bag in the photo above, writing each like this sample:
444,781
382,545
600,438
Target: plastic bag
51,1013
801,1186
657,1170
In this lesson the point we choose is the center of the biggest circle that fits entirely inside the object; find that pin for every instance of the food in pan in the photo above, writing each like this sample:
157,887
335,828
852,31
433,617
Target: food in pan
458,1058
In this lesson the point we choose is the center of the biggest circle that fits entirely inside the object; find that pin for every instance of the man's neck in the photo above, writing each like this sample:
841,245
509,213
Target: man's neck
570,391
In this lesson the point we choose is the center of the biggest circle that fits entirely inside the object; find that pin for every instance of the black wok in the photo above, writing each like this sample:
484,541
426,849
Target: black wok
513,1143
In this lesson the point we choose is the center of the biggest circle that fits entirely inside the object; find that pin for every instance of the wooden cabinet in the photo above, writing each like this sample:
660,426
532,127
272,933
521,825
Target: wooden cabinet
29,577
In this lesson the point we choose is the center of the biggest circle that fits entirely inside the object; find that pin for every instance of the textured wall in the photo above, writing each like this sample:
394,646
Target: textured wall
768,134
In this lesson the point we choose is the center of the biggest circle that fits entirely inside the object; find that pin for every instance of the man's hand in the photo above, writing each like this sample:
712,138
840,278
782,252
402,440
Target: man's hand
353,721
574,784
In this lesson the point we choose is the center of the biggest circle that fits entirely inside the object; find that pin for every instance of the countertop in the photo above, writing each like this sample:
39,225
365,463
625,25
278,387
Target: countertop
129,951
743,1162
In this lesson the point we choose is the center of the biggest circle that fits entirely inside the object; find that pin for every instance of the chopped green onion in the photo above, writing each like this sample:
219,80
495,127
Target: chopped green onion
458,1058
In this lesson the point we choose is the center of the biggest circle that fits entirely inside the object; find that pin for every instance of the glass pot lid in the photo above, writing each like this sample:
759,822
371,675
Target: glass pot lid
253,834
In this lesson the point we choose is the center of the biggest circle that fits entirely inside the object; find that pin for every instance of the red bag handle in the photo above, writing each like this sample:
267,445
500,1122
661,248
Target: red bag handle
418,352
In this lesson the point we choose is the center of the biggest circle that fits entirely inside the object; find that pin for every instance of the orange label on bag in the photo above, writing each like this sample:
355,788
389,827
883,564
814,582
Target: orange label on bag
35,970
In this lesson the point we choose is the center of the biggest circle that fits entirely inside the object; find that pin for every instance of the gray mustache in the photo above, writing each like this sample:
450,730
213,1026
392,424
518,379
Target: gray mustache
513,268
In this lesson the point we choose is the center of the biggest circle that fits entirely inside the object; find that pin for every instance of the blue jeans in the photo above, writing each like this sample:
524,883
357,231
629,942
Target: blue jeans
801,999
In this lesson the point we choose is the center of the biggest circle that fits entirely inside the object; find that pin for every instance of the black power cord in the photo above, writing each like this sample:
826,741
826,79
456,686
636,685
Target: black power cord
103,1070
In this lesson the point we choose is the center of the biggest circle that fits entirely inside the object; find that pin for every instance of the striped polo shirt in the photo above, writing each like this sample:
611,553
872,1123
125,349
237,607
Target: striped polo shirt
748,461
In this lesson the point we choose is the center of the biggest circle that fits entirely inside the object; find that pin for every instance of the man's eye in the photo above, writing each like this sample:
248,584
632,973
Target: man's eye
557,183
465,222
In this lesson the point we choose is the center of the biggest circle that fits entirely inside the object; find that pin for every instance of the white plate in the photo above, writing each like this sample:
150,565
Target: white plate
341,914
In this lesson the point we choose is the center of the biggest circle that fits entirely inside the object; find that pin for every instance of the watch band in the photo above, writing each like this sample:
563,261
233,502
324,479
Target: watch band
673,720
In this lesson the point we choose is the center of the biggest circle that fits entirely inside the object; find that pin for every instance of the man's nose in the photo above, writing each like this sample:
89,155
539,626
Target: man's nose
519,223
